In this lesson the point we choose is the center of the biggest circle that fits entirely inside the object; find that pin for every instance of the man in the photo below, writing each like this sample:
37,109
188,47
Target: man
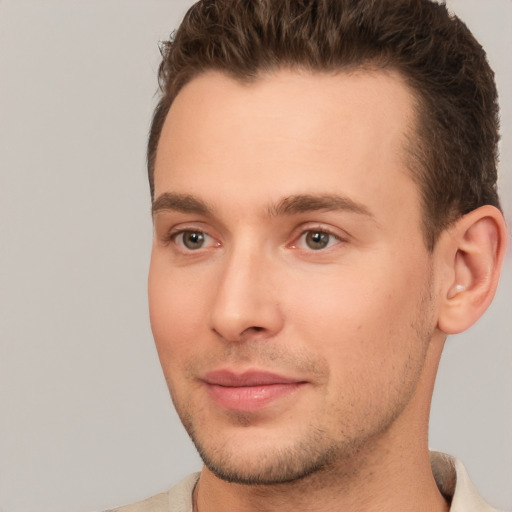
323,178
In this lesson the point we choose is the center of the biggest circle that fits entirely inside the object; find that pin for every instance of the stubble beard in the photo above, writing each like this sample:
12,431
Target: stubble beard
308,457
316,459
318,456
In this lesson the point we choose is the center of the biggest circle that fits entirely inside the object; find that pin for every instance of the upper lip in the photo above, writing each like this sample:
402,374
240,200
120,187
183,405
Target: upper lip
248,378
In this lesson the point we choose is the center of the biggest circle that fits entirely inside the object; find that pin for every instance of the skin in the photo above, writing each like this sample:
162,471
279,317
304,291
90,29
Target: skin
248,179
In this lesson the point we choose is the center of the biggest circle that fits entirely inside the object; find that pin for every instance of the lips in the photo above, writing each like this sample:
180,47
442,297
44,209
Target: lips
248,391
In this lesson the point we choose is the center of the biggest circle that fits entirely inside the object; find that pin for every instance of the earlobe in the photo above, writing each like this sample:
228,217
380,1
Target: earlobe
473,250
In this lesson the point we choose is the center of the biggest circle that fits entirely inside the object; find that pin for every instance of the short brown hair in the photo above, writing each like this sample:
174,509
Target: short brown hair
454,150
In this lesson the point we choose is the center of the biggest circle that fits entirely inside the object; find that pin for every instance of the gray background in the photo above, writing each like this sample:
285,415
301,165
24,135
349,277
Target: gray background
85,418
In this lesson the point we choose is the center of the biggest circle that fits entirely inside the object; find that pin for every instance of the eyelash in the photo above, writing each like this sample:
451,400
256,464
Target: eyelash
333,238
174,236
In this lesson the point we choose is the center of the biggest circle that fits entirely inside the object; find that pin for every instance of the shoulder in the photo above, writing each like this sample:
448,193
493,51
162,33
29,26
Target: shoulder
157,503
177,499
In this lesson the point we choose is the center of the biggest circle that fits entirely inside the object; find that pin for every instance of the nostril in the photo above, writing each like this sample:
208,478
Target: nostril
250,331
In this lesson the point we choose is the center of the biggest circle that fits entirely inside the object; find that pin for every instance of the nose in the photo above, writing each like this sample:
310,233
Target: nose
246,305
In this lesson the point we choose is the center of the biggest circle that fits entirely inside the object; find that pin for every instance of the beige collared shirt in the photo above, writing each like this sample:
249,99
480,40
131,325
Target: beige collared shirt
449,473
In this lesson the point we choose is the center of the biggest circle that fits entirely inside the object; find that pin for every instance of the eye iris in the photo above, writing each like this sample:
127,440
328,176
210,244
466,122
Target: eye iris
193,239
317,240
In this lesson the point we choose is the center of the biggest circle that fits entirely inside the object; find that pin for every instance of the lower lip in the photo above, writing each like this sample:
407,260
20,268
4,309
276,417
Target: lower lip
250,398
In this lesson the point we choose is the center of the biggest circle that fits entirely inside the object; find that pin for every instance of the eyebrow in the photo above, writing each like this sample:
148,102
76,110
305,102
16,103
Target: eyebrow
304,203
291,205
180,203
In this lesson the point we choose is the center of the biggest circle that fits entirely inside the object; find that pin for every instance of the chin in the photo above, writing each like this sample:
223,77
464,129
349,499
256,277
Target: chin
267,459
278,467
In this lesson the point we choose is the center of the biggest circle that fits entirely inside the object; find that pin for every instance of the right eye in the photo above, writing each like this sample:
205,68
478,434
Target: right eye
193,240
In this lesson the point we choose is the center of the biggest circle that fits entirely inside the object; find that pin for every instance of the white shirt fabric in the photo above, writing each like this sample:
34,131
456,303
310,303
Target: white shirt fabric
450,475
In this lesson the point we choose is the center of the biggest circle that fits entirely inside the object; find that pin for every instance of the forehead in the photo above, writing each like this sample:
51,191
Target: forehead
288,133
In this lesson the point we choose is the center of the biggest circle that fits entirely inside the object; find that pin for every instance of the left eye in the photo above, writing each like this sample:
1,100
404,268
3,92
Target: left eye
317,240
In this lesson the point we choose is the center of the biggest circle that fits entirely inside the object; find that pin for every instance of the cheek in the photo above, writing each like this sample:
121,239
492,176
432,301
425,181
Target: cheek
369,337
176,312
361,317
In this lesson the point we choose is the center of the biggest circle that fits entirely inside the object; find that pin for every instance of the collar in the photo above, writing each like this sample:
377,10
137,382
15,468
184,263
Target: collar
454,484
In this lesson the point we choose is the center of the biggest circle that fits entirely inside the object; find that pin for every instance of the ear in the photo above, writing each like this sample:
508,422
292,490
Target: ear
472,252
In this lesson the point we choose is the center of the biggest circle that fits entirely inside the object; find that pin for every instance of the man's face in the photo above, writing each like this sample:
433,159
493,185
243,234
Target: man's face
290,288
